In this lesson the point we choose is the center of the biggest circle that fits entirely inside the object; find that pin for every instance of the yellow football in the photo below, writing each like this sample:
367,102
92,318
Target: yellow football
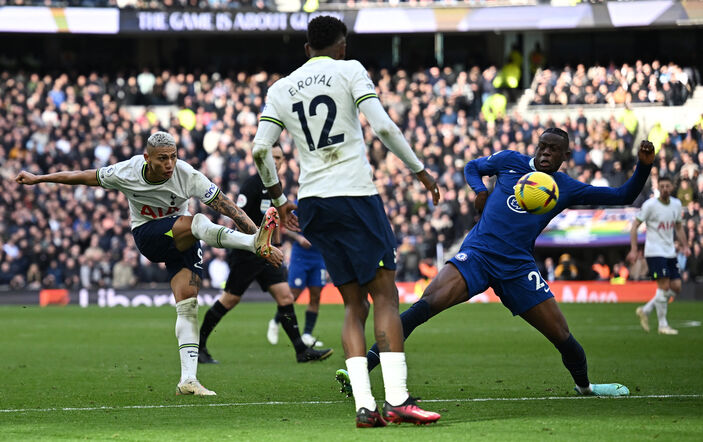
537,192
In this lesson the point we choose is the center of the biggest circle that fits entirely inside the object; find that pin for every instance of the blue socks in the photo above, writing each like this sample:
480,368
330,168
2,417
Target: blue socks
574,359
310,320
417,314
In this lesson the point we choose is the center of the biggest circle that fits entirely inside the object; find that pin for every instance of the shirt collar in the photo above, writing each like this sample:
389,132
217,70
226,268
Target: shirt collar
321,57
532,164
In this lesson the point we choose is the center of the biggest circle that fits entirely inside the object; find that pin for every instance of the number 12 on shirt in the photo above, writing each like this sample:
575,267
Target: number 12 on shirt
325,138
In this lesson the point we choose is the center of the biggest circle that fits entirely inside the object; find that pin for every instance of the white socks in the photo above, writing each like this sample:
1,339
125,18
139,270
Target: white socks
661,303
585,390
215,235
649,306
188,337
395,375
358,370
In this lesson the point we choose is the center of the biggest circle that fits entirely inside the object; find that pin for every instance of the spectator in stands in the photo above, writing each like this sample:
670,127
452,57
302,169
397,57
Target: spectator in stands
124,275
218,269
620,273
601,270
694,264
566,270
549,269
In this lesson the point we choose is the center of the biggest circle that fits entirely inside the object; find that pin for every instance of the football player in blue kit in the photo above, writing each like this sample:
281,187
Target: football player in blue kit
497,252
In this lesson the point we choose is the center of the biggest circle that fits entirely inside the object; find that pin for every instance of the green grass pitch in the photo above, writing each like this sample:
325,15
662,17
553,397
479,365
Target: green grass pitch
71,374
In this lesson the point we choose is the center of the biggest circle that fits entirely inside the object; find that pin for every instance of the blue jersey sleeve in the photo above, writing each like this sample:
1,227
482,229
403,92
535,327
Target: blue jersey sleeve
585,194
484,166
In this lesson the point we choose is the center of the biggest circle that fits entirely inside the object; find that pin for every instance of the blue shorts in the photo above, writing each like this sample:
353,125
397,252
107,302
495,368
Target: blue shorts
663,268
304,272
154,243
518,293
352,234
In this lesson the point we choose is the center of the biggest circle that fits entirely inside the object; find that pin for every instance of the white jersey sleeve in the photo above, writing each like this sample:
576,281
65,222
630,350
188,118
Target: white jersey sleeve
115,176
644,211
270,112
199,186
362,87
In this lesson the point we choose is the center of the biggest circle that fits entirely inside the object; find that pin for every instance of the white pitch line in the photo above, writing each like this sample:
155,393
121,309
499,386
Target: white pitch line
243,404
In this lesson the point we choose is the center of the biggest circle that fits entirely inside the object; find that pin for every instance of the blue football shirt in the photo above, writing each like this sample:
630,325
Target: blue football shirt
506,233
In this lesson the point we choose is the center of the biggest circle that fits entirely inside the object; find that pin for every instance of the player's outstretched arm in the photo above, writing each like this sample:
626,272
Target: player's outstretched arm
625,194
681,237
85,177
225,206
389,134
632,255
645,154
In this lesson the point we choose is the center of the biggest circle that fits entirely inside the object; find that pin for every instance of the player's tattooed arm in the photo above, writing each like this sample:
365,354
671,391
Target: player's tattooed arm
222,204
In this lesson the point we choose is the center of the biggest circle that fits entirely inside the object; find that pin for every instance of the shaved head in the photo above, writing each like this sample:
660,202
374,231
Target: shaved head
160,139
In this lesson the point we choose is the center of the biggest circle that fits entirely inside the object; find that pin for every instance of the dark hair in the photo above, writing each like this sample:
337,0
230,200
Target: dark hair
557,131
665,178
324,31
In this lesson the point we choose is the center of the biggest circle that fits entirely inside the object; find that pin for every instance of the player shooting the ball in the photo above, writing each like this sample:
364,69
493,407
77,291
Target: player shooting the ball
497,252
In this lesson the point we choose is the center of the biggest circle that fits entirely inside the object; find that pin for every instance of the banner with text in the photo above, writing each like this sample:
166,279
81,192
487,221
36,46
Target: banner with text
408,292
222,21
564,291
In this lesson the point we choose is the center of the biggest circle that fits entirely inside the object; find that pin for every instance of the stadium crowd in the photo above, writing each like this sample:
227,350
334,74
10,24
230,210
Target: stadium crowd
59,236
667,84
245,4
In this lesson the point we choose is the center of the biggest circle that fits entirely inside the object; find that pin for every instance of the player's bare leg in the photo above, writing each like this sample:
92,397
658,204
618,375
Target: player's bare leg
550,321
356,310
399,406
185,285
447,289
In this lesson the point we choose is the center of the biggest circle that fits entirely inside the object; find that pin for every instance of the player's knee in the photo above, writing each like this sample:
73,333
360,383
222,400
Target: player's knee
229,300
357,309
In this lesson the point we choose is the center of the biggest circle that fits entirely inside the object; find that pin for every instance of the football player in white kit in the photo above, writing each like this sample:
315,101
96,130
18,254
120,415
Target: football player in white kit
662,216
340,210
158,187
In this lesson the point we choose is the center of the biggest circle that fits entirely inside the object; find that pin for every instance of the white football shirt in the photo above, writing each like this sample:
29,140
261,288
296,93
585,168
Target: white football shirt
318,105
150,201
660,220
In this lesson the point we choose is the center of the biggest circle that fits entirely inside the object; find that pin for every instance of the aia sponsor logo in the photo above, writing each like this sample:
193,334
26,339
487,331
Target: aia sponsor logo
664,225
158,212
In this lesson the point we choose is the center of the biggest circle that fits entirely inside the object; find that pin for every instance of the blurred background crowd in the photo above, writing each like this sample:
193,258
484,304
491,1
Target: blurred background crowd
235,4
667,84
270,4
61,236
